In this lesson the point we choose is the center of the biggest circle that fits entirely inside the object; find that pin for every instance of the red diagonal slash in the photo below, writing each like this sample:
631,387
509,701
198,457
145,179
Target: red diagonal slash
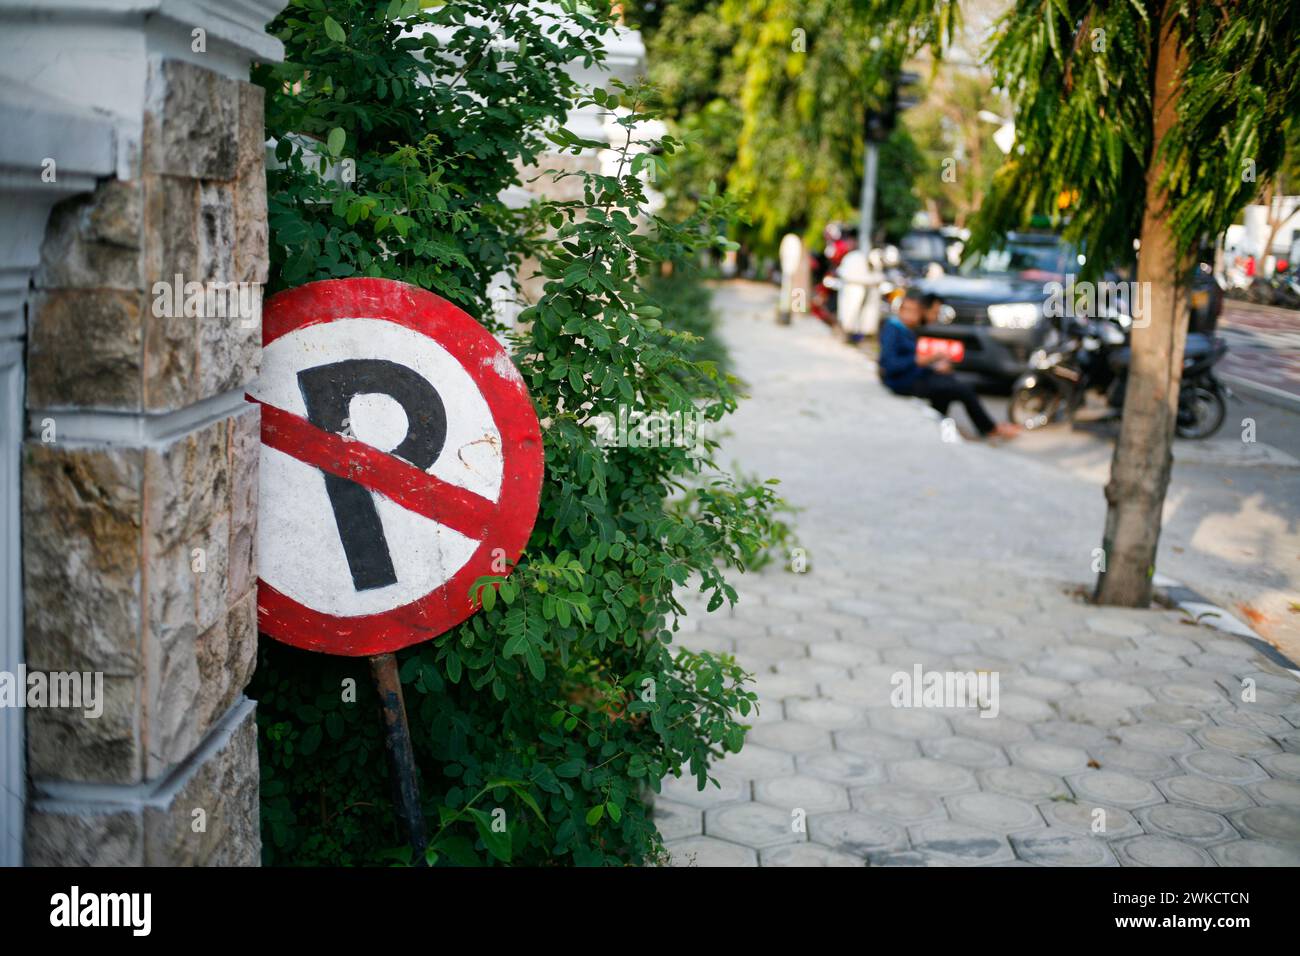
454,507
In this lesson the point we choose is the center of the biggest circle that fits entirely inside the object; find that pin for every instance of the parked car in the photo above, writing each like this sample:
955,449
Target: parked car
996,305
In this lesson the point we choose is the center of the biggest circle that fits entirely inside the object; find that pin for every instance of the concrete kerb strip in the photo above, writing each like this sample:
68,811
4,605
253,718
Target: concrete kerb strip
1277,397
1175,594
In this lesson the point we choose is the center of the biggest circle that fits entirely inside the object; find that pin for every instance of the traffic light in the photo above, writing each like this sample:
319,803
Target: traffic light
903,94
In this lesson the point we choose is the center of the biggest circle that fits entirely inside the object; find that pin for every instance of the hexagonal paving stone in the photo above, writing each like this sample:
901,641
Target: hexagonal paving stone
780,686
853,692
810,794
1281,765
827,714
965,752
873,743
676,821
1204,793
755,762
993,811
858,834
807,854
1116,789
842,767
1136,763
1107,823
1000,729
1149,660
1117,625
898,804
1115,691
1095,711
789,735
705,851
1255,853
956,844
1024,784
1046,688
1160,851
1236,740
844,653
1022,707
795,601
753,824
1184,823
1056,847
1268,792
1172,715
1258,721
933,776
1068,733
1279,824
908,722
1189,695
1224,767
1157,738
685,790
813,669
1048,757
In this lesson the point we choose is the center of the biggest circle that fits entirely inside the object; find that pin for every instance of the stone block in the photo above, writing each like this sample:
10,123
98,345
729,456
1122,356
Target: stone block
210,817
251,254
84,349
112,836
193,127
188,488
82,512
94,241
66,744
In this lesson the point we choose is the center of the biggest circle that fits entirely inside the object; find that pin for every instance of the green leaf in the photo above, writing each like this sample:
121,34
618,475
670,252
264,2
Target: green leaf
334,31
594,814
336,140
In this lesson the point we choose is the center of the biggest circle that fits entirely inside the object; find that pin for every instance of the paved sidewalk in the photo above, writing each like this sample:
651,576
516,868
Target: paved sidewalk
1121,737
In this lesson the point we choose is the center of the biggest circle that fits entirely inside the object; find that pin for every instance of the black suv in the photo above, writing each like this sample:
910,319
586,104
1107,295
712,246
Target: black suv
995,304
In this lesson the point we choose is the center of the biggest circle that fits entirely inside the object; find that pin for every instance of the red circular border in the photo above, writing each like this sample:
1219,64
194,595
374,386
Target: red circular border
511,523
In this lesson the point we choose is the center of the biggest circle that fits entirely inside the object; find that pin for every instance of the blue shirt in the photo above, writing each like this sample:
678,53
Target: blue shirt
898,365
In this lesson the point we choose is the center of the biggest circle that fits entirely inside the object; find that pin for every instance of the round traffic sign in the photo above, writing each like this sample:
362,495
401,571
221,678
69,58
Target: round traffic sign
401,460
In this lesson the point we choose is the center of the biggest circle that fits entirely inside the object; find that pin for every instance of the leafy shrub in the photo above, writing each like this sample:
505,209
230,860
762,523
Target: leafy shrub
561,704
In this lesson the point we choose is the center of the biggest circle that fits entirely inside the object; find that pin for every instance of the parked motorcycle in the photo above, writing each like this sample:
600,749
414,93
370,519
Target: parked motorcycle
1093,356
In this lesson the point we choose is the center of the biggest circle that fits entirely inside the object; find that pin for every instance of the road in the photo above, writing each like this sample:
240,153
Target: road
1265,346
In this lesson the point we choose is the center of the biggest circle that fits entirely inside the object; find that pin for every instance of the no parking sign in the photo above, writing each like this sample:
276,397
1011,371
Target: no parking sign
401,460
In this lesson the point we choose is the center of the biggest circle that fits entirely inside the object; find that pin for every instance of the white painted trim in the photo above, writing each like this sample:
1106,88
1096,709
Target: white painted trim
13,775
80,427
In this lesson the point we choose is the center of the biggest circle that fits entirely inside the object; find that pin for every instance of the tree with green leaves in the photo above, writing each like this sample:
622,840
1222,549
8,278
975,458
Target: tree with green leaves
1149,114
773,95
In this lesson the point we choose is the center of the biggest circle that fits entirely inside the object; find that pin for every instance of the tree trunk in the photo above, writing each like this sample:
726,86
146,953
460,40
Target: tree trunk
1139,471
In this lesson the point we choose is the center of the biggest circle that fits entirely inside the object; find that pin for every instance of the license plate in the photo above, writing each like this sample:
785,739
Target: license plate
954,349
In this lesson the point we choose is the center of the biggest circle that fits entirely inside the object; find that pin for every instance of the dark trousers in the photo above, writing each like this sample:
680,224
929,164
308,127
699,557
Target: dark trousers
942,390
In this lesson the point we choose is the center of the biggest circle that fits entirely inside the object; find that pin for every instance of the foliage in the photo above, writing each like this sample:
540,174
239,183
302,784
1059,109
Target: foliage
1078,74
775,93
562,702
686,305
948,129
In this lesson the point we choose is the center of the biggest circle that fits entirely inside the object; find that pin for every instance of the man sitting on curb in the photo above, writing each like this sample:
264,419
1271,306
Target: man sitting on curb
930,377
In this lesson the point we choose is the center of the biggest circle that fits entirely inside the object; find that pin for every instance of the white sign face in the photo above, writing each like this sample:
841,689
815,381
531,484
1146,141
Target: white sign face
318,544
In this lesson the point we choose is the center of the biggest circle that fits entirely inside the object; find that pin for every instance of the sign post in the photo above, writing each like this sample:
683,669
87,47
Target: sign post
401,461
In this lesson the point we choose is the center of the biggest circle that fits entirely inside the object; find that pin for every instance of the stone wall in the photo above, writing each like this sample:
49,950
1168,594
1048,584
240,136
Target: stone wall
139,486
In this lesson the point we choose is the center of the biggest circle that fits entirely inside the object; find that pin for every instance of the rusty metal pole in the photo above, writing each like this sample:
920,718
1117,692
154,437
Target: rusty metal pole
401,758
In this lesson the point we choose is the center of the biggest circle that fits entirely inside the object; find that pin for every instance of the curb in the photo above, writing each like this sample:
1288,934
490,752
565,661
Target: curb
1175,594
1267,394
